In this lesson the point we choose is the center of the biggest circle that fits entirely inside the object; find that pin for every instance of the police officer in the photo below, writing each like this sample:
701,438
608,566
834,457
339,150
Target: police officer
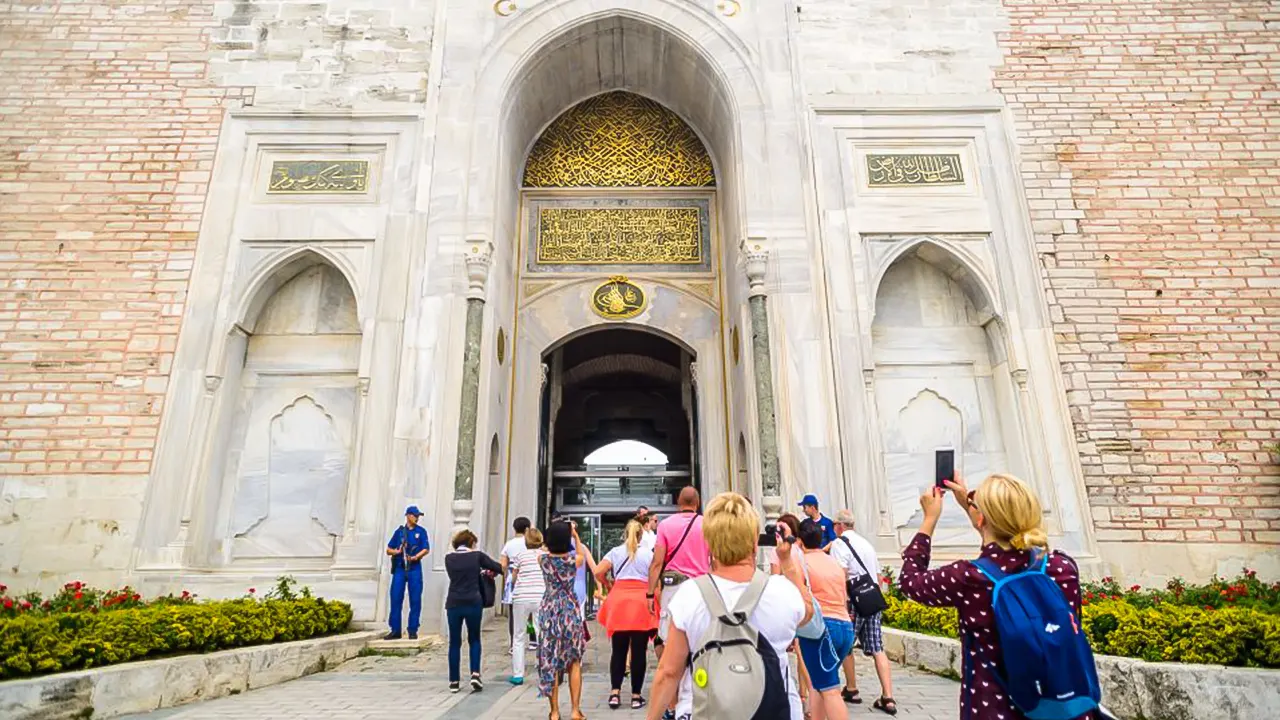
407,547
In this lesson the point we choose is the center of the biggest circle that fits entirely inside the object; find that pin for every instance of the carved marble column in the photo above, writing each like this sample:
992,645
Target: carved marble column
478,258
755,263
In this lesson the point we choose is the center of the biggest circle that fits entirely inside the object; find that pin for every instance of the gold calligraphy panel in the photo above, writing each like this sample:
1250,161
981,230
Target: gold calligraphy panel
619,236
908,170
619,139
319,176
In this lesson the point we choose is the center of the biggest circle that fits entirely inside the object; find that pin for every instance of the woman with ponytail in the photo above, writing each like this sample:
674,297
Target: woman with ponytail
1006,512
626,615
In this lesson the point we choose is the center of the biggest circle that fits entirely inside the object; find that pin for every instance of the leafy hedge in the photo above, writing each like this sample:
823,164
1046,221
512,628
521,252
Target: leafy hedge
1241,636
35,644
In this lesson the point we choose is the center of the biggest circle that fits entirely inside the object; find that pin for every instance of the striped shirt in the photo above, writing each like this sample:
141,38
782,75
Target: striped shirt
530,584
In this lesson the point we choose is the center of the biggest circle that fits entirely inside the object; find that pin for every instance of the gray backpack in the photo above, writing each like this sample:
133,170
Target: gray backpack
736,672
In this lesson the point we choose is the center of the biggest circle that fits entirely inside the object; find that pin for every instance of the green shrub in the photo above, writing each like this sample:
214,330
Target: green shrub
34,644
910,615
1160,633
1178,633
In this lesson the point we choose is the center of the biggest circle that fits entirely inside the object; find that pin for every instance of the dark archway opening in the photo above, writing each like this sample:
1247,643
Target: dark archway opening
609,388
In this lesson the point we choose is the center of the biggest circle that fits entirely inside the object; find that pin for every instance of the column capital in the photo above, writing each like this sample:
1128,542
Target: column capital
479,258
755,263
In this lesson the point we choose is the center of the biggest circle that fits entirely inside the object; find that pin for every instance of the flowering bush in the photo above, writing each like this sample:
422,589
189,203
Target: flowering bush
1220,623
81,627
1246,590
78,597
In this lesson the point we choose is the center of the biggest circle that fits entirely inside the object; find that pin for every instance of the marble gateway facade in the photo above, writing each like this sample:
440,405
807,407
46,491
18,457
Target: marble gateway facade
275,270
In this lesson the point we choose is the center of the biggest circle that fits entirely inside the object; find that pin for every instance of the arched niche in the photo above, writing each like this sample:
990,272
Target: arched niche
287,430
941,380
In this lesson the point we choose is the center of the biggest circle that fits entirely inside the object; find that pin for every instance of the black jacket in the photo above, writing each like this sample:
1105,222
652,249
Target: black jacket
464,576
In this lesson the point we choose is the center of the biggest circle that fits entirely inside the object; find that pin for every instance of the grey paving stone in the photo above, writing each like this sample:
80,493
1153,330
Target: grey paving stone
416,688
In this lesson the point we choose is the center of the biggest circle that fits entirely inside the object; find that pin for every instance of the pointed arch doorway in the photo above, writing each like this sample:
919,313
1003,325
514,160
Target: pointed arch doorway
619,333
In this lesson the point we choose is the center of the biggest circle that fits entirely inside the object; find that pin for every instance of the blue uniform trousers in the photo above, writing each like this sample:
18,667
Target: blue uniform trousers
400,578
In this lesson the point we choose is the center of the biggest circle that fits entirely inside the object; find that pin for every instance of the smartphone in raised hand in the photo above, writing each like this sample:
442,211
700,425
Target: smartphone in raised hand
944,463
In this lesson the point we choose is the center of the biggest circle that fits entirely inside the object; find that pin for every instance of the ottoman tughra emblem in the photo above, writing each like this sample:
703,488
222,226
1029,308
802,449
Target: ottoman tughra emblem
618,299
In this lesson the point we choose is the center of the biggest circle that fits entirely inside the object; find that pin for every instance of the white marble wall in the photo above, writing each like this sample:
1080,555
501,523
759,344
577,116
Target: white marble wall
958,260
274,452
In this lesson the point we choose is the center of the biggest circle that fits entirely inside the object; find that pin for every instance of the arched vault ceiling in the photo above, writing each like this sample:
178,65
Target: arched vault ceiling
617,364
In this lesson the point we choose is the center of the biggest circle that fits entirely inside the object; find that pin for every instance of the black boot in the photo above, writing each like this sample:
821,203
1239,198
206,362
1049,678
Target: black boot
392,636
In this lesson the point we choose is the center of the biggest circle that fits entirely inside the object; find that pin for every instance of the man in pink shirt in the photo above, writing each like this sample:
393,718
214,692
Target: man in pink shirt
680,553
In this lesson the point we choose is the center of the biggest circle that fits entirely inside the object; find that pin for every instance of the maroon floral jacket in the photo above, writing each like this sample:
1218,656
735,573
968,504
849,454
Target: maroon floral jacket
962,586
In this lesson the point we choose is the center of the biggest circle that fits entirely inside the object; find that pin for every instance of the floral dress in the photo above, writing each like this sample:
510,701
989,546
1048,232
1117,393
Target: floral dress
962,586
561,632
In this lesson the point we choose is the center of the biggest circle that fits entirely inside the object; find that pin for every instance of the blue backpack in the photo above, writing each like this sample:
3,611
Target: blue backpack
1049,671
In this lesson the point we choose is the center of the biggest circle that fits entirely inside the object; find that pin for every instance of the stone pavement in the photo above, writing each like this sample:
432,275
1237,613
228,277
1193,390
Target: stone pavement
416,688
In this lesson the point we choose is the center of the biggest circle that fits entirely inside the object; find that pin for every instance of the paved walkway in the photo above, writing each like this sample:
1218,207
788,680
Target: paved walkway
416,688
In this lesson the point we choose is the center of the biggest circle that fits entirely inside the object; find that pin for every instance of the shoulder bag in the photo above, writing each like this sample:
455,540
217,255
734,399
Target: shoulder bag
488,586
864,592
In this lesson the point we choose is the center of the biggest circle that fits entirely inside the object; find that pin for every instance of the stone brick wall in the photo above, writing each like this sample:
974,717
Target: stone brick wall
1150,150
339,54
899,46
105,150
107,141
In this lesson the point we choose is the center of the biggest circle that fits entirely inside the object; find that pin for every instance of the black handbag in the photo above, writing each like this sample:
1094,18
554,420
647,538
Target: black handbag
864,592
488,588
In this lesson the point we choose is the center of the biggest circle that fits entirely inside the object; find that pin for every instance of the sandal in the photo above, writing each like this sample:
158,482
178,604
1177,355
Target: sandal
851,697
615,699
886,705
637,703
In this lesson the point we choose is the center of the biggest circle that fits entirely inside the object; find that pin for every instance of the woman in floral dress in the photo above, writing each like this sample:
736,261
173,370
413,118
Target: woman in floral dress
561,629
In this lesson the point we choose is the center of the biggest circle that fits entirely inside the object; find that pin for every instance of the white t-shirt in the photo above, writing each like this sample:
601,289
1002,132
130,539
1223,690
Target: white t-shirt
633,569
530,583
649,539
777,616
514,547
866,553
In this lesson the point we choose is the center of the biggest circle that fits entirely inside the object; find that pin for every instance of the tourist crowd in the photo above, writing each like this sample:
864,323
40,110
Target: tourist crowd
737,634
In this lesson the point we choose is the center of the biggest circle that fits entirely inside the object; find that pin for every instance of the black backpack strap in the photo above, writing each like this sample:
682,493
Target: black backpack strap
857,559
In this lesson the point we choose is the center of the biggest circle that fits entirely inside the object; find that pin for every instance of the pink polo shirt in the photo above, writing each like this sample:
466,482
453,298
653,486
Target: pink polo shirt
693,558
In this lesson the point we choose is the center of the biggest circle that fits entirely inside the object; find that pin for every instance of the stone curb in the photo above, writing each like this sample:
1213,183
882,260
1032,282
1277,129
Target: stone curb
1132,689
154,684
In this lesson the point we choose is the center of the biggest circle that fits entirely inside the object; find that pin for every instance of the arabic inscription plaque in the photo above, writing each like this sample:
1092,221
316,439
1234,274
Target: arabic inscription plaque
914,170
310,177
619,236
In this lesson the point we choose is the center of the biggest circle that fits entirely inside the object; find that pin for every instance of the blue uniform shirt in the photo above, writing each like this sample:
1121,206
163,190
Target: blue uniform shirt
417,543
828,530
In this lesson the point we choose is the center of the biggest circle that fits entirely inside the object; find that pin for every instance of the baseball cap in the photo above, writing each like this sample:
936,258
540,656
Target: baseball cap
413,510
809,500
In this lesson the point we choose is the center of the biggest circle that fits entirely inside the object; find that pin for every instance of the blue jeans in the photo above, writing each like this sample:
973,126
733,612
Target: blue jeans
399,579
470,614
822,656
